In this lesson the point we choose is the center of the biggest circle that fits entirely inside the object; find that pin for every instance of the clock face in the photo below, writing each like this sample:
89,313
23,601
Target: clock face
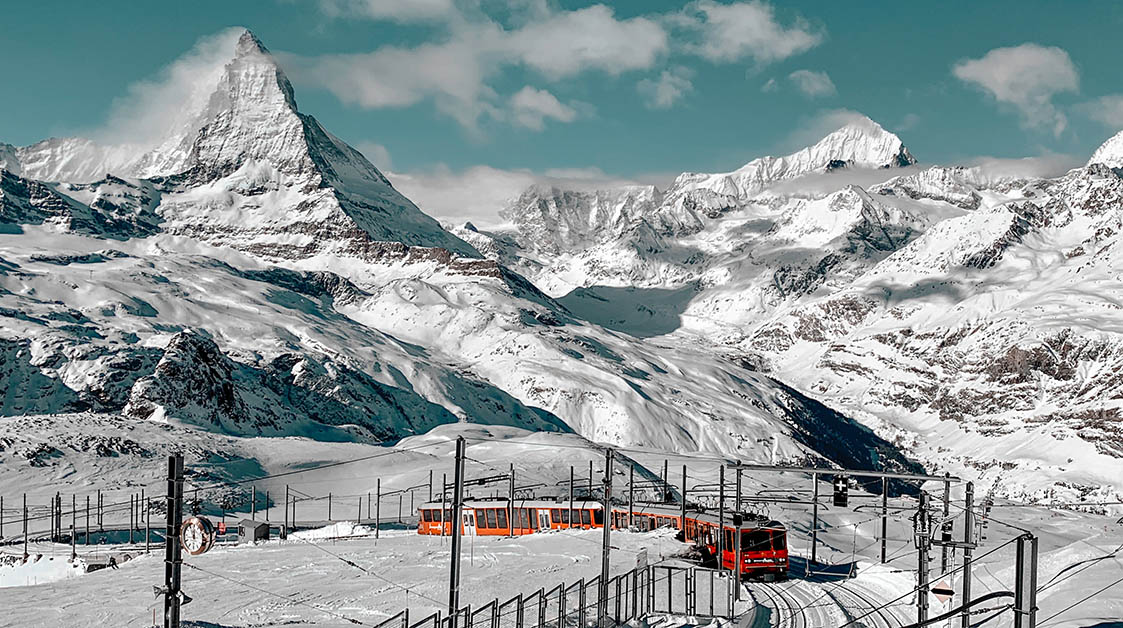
196,535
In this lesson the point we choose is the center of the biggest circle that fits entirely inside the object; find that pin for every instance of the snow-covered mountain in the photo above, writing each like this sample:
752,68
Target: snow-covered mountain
968,317
1110,153
254,275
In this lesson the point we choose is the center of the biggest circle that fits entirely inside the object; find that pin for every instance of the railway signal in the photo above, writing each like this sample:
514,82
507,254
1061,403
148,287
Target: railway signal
841,490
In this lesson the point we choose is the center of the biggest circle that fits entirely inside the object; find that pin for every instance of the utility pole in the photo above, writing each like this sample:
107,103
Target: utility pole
631,493
602,597
444,499
683,513
968,543
569,519
147,525
73,524
945,528
377,507
172,558
253,503
430,486
511,504
286,532
721,518
2,516
1025,583
737,537
884,515
100,525
814,519
329,507
922,541
666,486
87,539
25,554
590,495
457,513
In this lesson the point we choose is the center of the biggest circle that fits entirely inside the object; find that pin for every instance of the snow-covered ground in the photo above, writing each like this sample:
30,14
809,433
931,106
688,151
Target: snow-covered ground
403,569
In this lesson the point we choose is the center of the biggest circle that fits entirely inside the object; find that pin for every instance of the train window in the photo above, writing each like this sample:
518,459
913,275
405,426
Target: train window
755,541
502,518
598,517
555,515
428,514
489,515
728,539
524,520
779,541
586,517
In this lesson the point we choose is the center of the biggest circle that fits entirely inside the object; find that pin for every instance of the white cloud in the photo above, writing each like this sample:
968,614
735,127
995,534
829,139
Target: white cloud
813,84
741,30
144,116
671,86
377,154
457,71
1107,110
392,10
1026,77
770,86
909,121
478,193
531,107
1041,166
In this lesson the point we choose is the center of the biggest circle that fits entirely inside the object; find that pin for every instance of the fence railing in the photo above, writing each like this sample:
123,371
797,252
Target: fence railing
643,591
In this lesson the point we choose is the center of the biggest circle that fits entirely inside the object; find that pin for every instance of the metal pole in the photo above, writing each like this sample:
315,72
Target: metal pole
511,504
25,554
2,516
172,559
132,517
945,528
399,506
73,523
666,487
569,519
922,559
457,510
631,494
602,598
359,514
444,499
721,518
737,540
147,525
286,509
590,495
378,507
884,515
814,519
329,507
253,503
73,541
684,504
430,485
268,506
99,518
87,539
968,541
1025,583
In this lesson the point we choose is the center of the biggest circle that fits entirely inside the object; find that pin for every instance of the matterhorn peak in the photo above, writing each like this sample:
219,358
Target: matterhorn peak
249,44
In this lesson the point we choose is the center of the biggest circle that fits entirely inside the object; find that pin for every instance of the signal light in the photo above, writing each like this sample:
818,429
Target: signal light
841,490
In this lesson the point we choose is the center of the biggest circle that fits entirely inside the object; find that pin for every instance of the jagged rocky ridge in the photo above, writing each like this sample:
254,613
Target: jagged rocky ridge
263,278
970,318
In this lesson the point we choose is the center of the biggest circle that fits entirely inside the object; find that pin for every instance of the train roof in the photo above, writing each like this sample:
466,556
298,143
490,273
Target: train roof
578,504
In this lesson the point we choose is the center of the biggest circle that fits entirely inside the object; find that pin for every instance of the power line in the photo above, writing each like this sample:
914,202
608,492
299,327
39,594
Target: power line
279,596
1079,602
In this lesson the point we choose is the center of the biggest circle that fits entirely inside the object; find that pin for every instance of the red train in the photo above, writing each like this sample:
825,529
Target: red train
763,542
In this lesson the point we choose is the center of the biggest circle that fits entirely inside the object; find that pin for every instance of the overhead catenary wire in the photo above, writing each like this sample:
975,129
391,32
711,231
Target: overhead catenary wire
290,600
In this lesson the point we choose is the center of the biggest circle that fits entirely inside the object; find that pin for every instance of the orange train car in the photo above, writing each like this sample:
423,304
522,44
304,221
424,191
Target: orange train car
763,542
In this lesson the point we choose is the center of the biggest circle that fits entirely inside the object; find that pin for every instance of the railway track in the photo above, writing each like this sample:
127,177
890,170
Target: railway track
802,604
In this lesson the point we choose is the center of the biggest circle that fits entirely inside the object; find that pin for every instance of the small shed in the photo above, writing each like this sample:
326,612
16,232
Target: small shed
250,531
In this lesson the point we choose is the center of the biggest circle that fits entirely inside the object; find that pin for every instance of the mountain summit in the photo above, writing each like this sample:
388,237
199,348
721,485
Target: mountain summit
862,143
1110,153
247,169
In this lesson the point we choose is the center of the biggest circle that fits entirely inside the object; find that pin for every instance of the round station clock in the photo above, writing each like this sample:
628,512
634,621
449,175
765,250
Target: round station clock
196,535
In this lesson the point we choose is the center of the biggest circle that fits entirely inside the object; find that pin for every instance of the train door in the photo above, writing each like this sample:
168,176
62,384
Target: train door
469,522
543,519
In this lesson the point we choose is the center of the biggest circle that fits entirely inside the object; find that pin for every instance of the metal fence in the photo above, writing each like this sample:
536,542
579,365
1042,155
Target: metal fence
640,592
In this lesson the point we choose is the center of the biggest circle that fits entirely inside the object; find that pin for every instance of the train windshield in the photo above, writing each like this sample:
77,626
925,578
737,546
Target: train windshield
756,541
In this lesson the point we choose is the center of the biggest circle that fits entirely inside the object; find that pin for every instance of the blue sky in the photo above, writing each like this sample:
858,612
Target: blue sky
628,89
